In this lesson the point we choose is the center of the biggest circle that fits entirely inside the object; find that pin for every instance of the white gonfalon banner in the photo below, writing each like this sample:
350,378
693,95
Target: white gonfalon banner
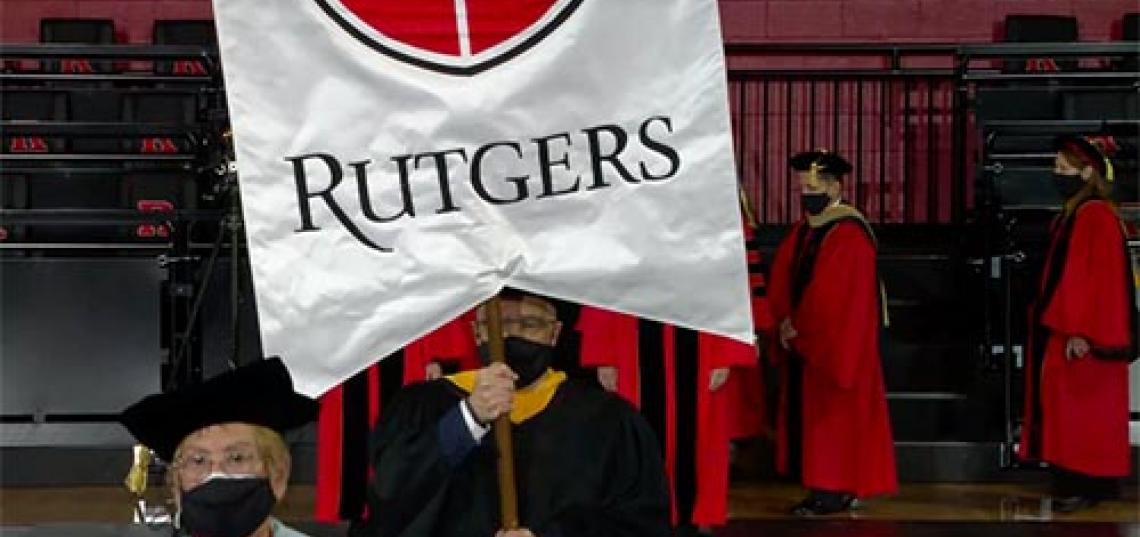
401,161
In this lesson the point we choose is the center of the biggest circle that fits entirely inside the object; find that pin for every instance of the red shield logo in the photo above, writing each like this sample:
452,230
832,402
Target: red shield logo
461,37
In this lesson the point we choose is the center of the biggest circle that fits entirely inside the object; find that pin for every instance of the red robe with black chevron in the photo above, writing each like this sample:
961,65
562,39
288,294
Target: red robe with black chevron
833,424
664,371
1076,410
349,412
745,386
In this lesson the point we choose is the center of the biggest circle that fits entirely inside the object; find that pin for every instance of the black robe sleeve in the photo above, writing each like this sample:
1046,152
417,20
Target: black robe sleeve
634,501
411,470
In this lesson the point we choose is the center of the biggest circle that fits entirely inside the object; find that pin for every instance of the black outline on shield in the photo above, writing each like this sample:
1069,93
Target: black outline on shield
531,41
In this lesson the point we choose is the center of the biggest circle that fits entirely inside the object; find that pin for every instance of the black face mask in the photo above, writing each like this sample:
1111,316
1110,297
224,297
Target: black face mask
226,507
529,360
814,204
1067,185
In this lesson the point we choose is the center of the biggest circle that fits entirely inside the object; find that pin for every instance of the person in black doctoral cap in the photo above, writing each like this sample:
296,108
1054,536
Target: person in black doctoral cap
833,430
1082,338
222,438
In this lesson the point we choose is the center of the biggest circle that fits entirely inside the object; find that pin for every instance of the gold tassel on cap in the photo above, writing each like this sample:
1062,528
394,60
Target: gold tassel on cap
813,174
136,478
746,207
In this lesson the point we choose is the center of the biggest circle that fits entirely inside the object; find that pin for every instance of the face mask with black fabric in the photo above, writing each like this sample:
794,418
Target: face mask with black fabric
814,204
1067,185
529,360
226,506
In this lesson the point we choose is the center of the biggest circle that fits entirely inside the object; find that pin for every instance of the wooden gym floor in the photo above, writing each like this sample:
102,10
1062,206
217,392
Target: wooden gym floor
928,509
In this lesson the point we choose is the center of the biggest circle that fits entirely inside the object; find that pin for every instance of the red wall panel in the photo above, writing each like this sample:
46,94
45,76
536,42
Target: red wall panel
743,20
906,20
134,19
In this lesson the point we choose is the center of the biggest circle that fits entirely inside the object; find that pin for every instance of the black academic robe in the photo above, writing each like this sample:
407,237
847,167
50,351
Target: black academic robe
586,465
350,410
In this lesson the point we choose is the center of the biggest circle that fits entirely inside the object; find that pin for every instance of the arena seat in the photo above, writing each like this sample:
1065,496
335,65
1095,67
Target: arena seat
31,105
89,31
165,107
95,105
1040,29
151,191
184,32
1093,105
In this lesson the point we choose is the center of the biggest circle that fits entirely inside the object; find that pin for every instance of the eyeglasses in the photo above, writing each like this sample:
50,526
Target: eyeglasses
524,323
195,466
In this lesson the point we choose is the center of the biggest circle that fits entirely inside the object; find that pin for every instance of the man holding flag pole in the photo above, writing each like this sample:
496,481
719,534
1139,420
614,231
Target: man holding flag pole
402,162
587,463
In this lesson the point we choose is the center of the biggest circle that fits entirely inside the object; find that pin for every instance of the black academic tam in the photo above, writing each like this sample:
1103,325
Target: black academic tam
258,394
827,162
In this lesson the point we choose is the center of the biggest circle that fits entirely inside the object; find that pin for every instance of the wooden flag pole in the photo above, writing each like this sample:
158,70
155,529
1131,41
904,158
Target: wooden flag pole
508,495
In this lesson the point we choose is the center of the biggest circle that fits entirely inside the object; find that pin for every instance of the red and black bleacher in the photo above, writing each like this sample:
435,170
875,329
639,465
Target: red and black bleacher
95,133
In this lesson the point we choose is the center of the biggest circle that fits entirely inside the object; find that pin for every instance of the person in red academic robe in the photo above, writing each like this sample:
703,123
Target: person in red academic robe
675,377
1082,338
680,380
349,412
745,386
833,428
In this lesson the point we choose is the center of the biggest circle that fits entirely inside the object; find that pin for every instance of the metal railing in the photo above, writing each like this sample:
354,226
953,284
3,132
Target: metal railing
889,113
901,113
